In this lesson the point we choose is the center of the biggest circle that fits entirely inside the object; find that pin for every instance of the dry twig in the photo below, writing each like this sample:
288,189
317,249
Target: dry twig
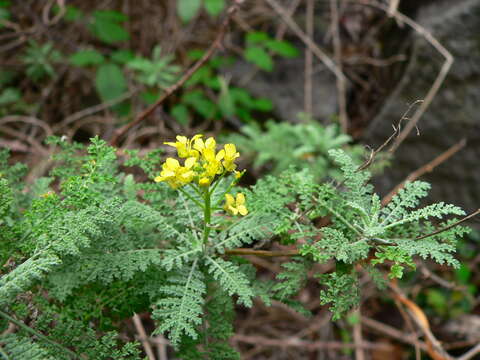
341,84
143,337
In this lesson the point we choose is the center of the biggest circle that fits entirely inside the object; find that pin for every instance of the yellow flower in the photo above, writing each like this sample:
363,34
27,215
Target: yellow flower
236,205
229,154
200,145
184,146
175,174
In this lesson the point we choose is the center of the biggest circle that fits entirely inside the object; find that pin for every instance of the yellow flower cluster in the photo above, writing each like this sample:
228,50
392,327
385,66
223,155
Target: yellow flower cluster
236,205
202,162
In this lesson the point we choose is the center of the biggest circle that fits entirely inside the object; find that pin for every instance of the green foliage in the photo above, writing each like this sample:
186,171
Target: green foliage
90,244
110,82
282,145
155,72
259,47
107,26
188,9
19,347
40,60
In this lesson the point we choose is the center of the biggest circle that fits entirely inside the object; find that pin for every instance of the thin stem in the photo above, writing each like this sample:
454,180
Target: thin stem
37,334
207,214
190,197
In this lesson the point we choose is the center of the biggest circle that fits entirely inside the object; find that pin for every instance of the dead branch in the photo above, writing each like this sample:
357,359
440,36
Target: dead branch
337,50
143,336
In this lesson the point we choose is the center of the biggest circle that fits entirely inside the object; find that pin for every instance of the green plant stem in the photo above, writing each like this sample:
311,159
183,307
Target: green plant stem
37,334
191,198
207,214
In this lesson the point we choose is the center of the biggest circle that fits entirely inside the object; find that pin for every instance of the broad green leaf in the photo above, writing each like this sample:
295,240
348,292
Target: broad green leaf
108,31
181,114
256,37
283,48
259,57
122,56
214,7
110,15
149,97
110,82
195,54
241,96
71,14
87,58
263,104
187,9
200,103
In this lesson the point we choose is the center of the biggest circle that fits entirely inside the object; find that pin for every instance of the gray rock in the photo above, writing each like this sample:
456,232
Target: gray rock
284,86
454,113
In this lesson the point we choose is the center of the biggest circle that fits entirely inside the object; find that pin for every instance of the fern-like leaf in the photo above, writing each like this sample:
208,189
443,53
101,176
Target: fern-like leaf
19,347
231,279
179,310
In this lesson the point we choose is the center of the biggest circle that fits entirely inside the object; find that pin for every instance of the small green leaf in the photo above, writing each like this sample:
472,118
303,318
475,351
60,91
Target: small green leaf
283,48
256,37
187,9
214,7
110,82
263,104
86,58
106,27
71,14
122,56
200,103
195,54
181,114
259,57
149,97
110,15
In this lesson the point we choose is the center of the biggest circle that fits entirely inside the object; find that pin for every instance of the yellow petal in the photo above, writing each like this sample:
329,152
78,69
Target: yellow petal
240,199
190,162
182,139
171,144
210,143
187,176
229,199
167,173
242,210
204,181
195,137
230,150
220,155
172,164
199,144
158,178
